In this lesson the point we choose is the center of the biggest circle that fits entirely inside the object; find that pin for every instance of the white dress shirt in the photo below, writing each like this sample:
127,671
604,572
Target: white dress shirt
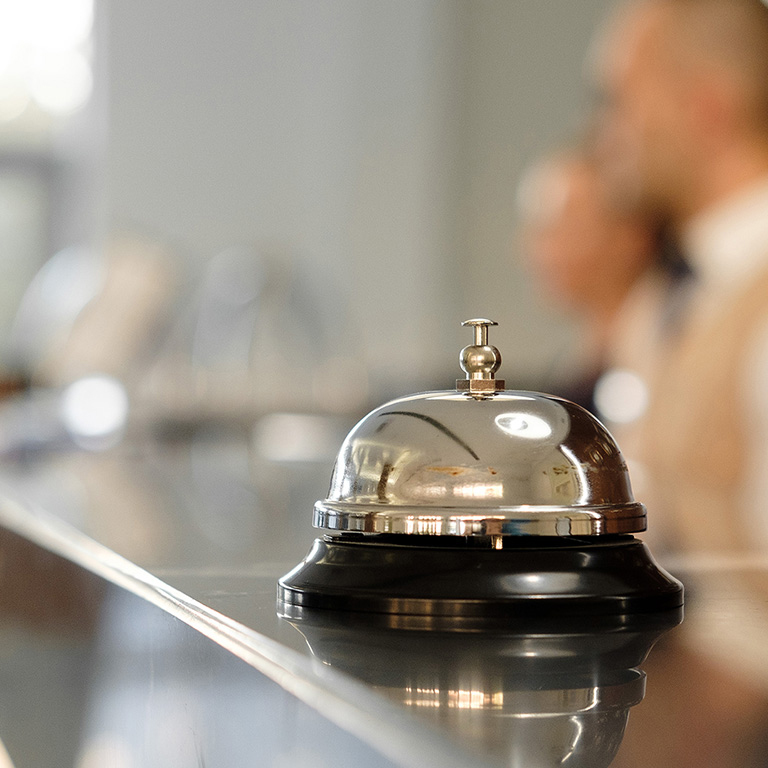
727,247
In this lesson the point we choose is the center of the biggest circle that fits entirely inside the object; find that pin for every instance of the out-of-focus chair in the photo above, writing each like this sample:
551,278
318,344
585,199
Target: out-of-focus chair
92,312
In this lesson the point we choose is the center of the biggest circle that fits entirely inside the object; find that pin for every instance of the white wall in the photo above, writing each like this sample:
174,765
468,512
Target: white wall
527,92
375,141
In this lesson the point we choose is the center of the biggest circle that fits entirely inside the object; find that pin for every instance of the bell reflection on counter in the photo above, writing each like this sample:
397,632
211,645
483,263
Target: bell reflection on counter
554,693
480,502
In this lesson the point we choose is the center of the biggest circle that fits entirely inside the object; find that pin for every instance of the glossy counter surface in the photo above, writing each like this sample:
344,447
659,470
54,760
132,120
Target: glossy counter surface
138,627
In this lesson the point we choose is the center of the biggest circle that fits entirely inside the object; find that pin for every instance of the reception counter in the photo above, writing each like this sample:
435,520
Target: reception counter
139,627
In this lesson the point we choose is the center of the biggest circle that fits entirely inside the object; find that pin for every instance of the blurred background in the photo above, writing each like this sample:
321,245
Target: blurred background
230,229
212,203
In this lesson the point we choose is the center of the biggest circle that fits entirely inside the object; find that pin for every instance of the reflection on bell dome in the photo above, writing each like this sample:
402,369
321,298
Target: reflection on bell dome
530,427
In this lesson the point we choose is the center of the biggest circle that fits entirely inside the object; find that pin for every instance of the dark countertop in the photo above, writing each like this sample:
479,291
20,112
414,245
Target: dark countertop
139,627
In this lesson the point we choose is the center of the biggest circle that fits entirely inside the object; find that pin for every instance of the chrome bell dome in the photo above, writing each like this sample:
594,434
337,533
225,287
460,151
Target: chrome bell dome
480,461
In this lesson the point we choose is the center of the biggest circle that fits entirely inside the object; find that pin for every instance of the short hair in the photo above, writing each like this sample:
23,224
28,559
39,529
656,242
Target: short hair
733,34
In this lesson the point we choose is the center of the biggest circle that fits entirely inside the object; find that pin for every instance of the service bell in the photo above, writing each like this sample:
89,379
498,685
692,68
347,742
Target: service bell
480,502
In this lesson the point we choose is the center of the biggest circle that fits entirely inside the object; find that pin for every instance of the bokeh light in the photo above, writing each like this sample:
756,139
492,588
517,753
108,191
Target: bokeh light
95,407
45,56
621,396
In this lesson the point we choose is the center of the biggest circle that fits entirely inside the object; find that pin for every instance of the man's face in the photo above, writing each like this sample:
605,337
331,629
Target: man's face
580,250
563,242
642,133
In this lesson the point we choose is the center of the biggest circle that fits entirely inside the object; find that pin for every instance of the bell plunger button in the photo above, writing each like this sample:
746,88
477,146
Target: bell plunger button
480,361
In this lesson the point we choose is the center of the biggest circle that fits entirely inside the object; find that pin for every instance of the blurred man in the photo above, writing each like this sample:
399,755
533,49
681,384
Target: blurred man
685,132
593,257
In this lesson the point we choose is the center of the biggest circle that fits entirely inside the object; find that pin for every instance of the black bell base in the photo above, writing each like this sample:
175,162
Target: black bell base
528,578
